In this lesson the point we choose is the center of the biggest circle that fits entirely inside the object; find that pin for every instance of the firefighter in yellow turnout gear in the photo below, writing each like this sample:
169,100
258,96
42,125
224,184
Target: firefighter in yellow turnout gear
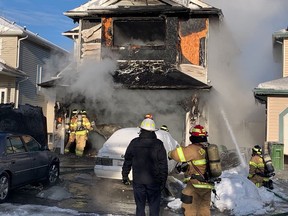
259,172
196,196
72,130
83,128
80,127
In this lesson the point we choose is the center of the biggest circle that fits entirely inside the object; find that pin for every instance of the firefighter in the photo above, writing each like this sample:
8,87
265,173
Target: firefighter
164,128
258,173
72,130
147,158
82,131
196,196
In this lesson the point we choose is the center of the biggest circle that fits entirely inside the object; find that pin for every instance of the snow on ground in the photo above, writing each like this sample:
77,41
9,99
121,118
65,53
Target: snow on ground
8,209
237,196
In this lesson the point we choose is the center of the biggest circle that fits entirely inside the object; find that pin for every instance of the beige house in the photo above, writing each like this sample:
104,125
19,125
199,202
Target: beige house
25,62
161,51
275,95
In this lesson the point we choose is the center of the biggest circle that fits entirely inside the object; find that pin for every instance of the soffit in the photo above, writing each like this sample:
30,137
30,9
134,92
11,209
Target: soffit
10,71
278,87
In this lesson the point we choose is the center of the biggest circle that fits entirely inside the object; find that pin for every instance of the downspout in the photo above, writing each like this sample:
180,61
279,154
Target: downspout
17,67
18,51
17,92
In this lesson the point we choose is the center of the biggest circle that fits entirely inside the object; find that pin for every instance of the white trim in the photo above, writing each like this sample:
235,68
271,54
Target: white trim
3,95
39,77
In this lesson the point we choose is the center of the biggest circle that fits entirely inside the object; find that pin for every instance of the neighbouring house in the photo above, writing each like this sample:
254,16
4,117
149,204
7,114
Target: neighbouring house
274,94
159,49
27,60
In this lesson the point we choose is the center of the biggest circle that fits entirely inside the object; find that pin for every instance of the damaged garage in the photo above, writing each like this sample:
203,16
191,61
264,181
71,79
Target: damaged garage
133,58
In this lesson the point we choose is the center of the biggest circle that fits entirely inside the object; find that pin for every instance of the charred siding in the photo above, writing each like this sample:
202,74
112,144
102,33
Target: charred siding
193,35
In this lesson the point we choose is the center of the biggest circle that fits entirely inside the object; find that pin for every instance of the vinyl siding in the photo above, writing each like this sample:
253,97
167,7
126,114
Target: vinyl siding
31,55
9,83
8,52
275,105
285,58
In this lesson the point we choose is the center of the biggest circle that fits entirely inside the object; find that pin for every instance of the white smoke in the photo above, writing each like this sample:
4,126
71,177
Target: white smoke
240,56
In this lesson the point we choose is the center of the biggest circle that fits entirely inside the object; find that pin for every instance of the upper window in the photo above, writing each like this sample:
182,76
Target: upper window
139,32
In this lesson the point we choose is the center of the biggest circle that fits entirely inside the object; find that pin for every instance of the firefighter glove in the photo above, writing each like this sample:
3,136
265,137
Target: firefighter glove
182,167
169,155
126,181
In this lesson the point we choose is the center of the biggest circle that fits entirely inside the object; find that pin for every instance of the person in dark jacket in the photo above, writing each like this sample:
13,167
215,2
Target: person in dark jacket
147,157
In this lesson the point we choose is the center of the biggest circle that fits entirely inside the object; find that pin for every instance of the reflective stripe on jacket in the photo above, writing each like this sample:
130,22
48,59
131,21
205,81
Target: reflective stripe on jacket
256,166
196,155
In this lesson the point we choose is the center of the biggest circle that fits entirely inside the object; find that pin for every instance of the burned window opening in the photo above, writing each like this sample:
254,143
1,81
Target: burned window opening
202,53
142,33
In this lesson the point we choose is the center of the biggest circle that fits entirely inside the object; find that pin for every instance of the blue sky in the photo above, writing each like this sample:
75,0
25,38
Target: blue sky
44,17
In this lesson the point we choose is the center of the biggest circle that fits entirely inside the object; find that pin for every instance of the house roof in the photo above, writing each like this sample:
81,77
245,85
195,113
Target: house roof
10,71
280,35
10,28
94,7
139,75
74,32
278,87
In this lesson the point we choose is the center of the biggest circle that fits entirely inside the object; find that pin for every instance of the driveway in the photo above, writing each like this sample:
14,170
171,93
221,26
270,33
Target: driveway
79,189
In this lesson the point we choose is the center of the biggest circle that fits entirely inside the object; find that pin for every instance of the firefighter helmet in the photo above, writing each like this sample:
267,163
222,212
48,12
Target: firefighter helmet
164,128
257,150
83,112
148,124
149,116
198,134
74,111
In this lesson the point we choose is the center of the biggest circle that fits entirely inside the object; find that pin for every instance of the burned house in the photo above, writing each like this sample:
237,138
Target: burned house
160,53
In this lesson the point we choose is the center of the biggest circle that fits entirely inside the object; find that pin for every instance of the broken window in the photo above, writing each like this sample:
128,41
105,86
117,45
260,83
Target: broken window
139,32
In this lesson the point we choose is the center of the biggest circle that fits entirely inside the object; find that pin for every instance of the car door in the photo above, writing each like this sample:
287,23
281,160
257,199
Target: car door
19,161
38,155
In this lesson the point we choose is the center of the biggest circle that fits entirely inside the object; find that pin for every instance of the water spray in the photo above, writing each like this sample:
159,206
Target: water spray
243,164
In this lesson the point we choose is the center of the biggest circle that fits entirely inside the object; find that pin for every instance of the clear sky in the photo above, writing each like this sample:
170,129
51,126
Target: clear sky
44,17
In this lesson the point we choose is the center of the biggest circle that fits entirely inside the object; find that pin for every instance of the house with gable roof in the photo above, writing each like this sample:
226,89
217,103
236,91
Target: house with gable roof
25,62
160,48
274,94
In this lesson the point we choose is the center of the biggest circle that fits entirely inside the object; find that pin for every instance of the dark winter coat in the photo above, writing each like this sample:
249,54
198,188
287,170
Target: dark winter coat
147,157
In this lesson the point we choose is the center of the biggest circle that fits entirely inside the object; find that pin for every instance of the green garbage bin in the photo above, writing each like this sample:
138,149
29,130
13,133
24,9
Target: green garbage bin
276,151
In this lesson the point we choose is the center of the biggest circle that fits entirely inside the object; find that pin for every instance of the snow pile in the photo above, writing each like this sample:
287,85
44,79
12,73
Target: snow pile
54,193
238,196
8,209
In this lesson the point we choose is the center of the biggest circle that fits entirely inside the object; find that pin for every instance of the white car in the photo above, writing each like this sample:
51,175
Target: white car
110,157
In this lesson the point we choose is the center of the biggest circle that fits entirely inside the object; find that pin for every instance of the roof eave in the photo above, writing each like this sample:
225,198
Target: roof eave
147,87
145,10
262,94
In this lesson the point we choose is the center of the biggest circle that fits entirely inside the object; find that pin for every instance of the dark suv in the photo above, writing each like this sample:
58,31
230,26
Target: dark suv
24,161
